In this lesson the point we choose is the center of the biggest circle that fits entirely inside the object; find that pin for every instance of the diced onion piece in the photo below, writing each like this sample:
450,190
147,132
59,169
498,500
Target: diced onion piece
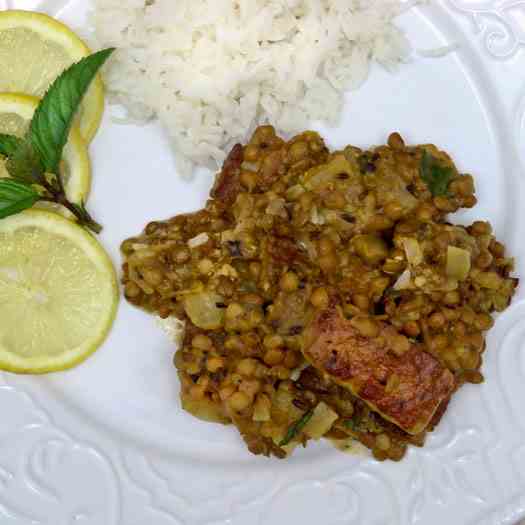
316,217
458,263
321,421
250,166
413,251
277,208
198,240
294,192
204,409
202,309
404,280
173,328
296,372
322,175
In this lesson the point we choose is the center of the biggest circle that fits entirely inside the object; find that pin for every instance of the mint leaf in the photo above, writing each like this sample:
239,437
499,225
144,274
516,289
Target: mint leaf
53,119
24,164
435,176
15,197
296,428
8,144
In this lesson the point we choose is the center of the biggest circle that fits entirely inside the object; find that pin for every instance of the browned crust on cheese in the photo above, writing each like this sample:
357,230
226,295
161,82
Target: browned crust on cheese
227,184
364,365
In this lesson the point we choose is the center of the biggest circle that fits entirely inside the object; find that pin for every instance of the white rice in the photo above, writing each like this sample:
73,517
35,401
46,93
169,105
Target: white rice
212,70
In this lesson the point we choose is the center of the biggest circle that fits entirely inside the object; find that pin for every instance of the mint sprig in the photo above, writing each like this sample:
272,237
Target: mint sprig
54,116
34,161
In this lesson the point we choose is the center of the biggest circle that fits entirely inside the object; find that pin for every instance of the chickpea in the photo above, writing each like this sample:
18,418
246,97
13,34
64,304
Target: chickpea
490,280
383,442
483,260
497,249
250,387
273,341
214,364
326,246
273,357
468,316
234,342
396,142
443,204
298,151
379,223
247,366
439,342
251,153
452,298
197,392
281,372
469,201
305,200
475,340
361,301
255,269
152,276
425,212
484,322
131,290
248,179
334,200
205,266
320,298
261,408
234,310
459,328
394,211
370,248
450,314
239,401
469,359
291,359
411,328
437,320
365,326
466,185
263,135
328,263
399,344
479,228
193,368
226,392
202,342
289,282
181,255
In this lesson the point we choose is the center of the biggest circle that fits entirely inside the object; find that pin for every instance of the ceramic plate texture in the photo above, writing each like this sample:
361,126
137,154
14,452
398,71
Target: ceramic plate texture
108,443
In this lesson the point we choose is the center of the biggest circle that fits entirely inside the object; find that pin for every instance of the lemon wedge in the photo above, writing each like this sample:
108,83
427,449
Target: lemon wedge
34,50
58,293
16,112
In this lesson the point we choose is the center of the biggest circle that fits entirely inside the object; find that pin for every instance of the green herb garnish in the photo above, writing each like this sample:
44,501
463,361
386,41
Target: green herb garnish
296,428
435,176
33,162
8,144
354,423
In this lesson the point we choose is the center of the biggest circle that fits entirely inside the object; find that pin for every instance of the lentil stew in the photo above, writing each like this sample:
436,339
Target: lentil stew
325,294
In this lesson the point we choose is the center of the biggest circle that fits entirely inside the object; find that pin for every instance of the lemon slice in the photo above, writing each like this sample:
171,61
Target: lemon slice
58,293
34,50
15,115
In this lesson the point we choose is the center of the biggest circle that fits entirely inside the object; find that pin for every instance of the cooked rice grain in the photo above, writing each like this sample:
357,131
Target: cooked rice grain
212,70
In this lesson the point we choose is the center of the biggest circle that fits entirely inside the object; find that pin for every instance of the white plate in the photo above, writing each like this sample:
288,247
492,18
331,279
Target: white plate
108,443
